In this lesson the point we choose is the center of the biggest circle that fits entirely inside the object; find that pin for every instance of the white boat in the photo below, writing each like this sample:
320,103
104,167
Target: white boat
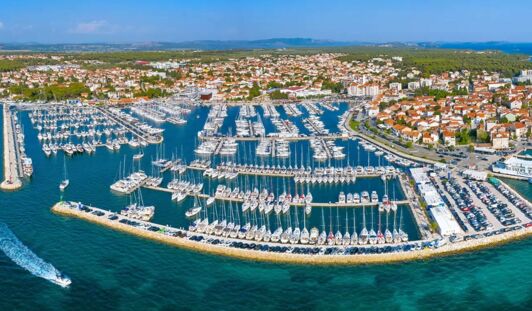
65,182
138,156
61,280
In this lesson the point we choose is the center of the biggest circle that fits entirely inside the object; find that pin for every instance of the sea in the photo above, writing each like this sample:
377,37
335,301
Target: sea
111,270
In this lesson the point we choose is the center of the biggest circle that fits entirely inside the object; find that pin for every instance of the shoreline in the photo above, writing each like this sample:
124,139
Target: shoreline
289,258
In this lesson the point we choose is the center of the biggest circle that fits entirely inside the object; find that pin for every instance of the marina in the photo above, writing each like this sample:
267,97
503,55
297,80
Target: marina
317,193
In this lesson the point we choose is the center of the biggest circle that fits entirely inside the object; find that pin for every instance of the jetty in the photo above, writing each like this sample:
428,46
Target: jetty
12,161
286,253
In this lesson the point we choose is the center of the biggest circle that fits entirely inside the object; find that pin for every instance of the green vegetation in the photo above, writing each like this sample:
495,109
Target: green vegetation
50,92
435,61
354,124
152,93
334,87
254,91
16,64
278,95
439,94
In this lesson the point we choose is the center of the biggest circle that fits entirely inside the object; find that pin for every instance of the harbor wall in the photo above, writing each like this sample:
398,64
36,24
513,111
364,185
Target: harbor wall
11,178
254,255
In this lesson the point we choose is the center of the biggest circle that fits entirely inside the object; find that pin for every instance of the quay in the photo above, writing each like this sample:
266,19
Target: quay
286,253
12,164
420,215
237,200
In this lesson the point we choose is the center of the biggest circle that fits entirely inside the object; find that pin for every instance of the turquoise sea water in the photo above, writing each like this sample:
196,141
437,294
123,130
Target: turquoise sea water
111,270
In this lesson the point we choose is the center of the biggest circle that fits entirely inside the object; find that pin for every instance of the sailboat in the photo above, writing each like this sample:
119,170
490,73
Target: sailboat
305,236
354,237
322,238
195,209
363,239
372,235
338,235
347,237
65,182
380,236
138,156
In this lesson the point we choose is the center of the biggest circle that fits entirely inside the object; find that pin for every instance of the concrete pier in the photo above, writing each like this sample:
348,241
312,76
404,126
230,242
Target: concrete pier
12,179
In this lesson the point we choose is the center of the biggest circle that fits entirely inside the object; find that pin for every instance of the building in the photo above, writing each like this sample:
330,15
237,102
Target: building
371,90
414,85
449,139
396,86
500,140
475,175
447,224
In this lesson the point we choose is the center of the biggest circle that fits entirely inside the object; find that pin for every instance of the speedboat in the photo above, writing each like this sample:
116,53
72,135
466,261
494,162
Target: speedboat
61,279
64,184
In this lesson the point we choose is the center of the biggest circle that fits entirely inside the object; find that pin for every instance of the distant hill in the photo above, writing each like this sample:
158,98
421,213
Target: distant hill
274,43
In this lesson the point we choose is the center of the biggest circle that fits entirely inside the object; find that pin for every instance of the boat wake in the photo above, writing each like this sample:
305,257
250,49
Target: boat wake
25,258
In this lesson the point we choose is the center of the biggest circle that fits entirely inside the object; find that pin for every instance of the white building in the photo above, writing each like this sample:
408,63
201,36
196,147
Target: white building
425,82
414,85
447,224
396,86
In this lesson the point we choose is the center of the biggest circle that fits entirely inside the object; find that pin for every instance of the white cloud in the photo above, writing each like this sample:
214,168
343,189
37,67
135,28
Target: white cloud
1,25
97,26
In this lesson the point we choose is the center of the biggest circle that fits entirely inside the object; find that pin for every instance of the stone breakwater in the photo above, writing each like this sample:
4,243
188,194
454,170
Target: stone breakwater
315,259
11,177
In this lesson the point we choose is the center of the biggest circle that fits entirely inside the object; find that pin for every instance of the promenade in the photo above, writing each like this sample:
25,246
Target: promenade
12,179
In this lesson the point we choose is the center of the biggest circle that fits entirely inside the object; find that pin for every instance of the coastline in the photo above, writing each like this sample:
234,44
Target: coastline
288,258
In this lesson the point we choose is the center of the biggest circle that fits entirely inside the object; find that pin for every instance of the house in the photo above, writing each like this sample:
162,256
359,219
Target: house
412,135
515,104
430,138
449,139
500,140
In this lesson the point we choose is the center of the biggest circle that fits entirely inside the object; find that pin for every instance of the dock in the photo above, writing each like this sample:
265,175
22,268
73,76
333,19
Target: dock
314,204
152,139
274,138
12,164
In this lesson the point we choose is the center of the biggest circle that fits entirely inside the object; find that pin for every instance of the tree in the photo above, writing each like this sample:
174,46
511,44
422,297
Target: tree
504,119
334,87
278,95
254,91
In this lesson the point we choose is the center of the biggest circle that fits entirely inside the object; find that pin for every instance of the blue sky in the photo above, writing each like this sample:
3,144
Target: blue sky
74,21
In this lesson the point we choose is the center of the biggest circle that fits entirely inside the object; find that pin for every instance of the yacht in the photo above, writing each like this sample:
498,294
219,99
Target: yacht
65,182
61,279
